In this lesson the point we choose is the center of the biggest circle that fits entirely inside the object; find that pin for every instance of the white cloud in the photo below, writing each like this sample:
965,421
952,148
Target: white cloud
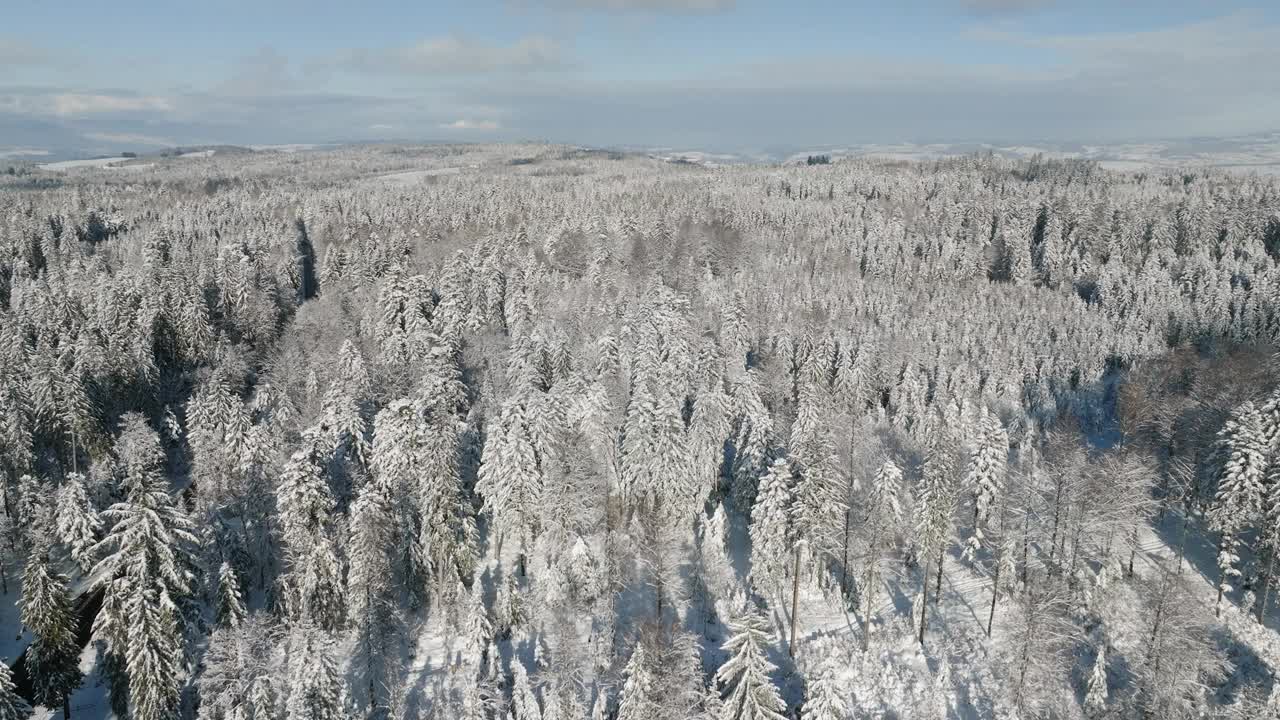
454,55
86,104
381,126
471,125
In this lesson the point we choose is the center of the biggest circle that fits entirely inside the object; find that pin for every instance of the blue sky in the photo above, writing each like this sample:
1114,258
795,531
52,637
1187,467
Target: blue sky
715,74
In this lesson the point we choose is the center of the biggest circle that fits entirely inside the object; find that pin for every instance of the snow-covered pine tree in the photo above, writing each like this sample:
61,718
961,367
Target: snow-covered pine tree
984,476
1095,700
77,521
524,704
815,503
770,524
823,700
884,517
748,691
146,569
317,690
53,658
510,480
12,706
637,701
372,607
230,610
1241,488
934,506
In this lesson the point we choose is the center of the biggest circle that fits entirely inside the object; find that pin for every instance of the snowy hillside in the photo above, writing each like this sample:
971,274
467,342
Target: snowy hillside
540,432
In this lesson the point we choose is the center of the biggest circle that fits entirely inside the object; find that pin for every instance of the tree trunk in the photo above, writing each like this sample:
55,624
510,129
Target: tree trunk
1133,552
866,612
66,707
1266,585
924,605
844,566
1222,581
795,599
995,595
937,591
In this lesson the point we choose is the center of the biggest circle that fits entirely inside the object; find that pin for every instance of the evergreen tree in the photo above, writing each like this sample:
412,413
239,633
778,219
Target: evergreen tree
637,701
1095,701
748,692
53,658
770,523
146,568
884,516
12,707
372,603
511,480
933,517
984,477
1241,488
317,690
822,697
230,608
77,522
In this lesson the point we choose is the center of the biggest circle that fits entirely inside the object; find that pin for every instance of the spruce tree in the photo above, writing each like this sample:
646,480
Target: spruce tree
884,517
1241,489
53,658
317,689
1095,701
372,603
748,691
146,569
12,706
984,476
770,523
230,610
77,522
823,700
637,699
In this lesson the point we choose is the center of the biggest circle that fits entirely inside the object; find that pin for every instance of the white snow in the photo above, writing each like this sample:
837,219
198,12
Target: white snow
77,164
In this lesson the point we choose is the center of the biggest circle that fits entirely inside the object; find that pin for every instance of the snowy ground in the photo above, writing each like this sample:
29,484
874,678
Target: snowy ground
411,177
77,164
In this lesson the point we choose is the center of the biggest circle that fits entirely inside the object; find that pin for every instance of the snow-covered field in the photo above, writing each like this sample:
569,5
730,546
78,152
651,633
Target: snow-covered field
78,164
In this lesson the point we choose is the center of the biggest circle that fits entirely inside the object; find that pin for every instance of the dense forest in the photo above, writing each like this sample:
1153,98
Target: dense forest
543,433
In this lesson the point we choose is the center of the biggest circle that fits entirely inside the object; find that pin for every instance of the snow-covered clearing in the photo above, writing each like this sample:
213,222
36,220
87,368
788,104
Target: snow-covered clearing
412,177
77,164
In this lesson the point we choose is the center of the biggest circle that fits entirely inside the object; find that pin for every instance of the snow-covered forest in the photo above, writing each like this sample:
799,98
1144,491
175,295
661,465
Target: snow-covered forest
543,433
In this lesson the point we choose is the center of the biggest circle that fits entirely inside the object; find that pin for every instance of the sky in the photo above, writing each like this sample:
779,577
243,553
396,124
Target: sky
727,75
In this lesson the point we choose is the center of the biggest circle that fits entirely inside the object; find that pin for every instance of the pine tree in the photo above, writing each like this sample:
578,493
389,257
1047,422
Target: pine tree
12,707
510,479
77,522
230,608
749,693
933,516
372,603
770,523
479,627
317,690
523,702
984,477
822,697
53,658
146,570
1241,488
1095,701
885,515
637,699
